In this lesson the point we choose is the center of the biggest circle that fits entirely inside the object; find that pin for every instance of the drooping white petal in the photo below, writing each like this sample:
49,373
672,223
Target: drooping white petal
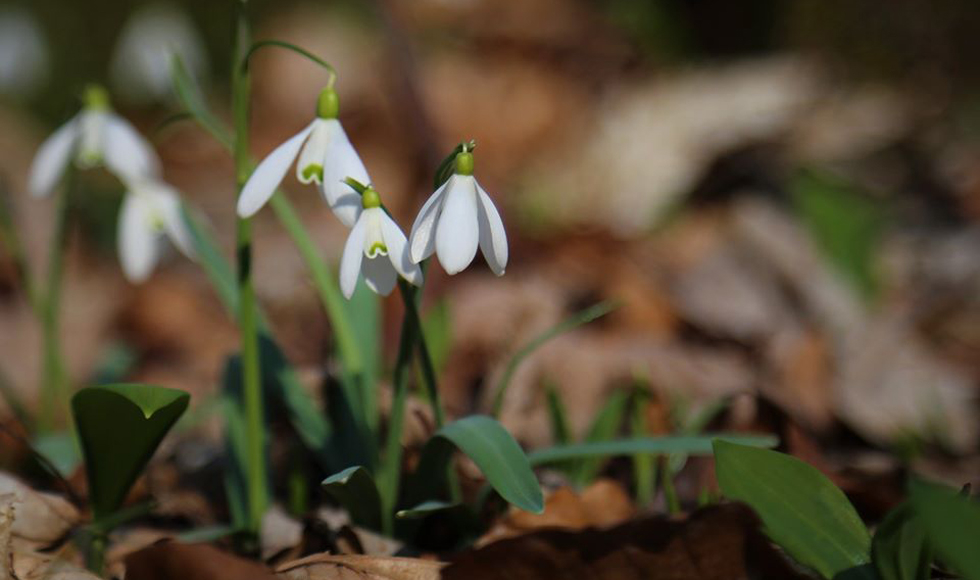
167,208
379,274
374,238
309,168
267,176
127,154
138,241
457,230
340,162
91,138
350,261
398,251
493,238
423,238
52,158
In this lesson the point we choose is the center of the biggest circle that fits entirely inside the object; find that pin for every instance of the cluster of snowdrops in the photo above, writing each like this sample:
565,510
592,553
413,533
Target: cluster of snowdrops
456,220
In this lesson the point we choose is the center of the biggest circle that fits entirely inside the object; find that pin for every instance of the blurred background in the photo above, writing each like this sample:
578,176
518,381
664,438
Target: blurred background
782,196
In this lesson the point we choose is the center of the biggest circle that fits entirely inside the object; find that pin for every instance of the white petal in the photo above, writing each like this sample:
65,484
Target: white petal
91,138
127,154
52,158
267,176
374,238
350,262
139,243
341,161
167,206
379,274
398,251
493,238
423,238
309,168
457,231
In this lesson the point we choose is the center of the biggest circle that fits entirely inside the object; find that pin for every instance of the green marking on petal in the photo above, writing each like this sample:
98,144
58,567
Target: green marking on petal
313,171
376,249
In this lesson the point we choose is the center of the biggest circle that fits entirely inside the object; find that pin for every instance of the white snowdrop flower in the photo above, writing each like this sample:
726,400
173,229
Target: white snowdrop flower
141,61
95,136
23,53
377,248
458,218
151,212
326,157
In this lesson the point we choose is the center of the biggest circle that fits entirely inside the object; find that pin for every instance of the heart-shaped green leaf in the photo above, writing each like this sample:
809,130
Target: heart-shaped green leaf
491,447
354,488
899,549
120,426
803,511
952,523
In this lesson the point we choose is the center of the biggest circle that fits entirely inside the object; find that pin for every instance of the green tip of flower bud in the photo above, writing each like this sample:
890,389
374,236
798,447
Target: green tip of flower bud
95,97
328,104
464,163
370,198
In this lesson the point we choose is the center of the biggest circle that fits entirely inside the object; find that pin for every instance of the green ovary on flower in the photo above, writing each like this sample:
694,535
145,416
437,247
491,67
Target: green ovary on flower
96,98
464,163
328,104
370,198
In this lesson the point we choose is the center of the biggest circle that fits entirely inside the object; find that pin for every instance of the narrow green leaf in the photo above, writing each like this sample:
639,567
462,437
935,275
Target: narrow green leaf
120,426
363,311
189,95
425,509
355,490
803,511
560,432
605,427
952,523
693,445
644,464
437,328
491,447
899,549
574,321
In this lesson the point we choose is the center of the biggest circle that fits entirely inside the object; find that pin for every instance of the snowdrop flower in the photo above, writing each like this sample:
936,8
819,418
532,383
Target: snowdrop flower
23,53
326,157
141,61
95,136
458,218
150,212
377,247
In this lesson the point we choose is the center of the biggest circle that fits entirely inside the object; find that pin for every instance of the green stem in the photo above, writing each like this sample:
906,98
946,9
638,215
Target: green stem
248,321
409,296
95,555
53,396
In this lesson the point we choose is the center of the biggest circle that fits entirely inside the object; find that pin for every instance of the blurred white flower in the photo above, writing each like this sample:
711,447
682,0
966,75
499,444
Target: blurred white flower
151,212
94,136
140,66
23,53
326,157
377,248
458,218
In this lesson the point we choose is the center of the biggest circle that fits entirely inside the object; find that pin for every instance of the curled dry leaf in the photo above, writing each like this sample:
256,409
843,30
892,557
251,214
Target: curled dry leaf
330,567
40,519
602,504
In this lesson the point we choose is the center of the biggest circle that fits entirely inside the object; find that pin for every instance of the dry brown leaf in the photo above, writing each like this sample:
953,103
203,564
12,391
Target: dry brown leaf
602,504
716,543
40,519
330,567
174,561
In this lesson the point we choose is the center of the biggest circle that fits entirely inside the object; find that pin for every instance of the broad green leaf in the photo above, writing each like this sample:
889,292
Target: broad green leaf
899,549
605,426
952,523
802,510
355,490
494,451
425,509
119,427
693,445
572,322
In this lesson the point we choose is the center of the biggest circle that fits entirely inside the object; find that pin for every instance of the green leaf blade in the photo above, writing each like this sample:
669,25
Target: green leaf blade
802,510
952,523
120,427
355,489
693,445
900,550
